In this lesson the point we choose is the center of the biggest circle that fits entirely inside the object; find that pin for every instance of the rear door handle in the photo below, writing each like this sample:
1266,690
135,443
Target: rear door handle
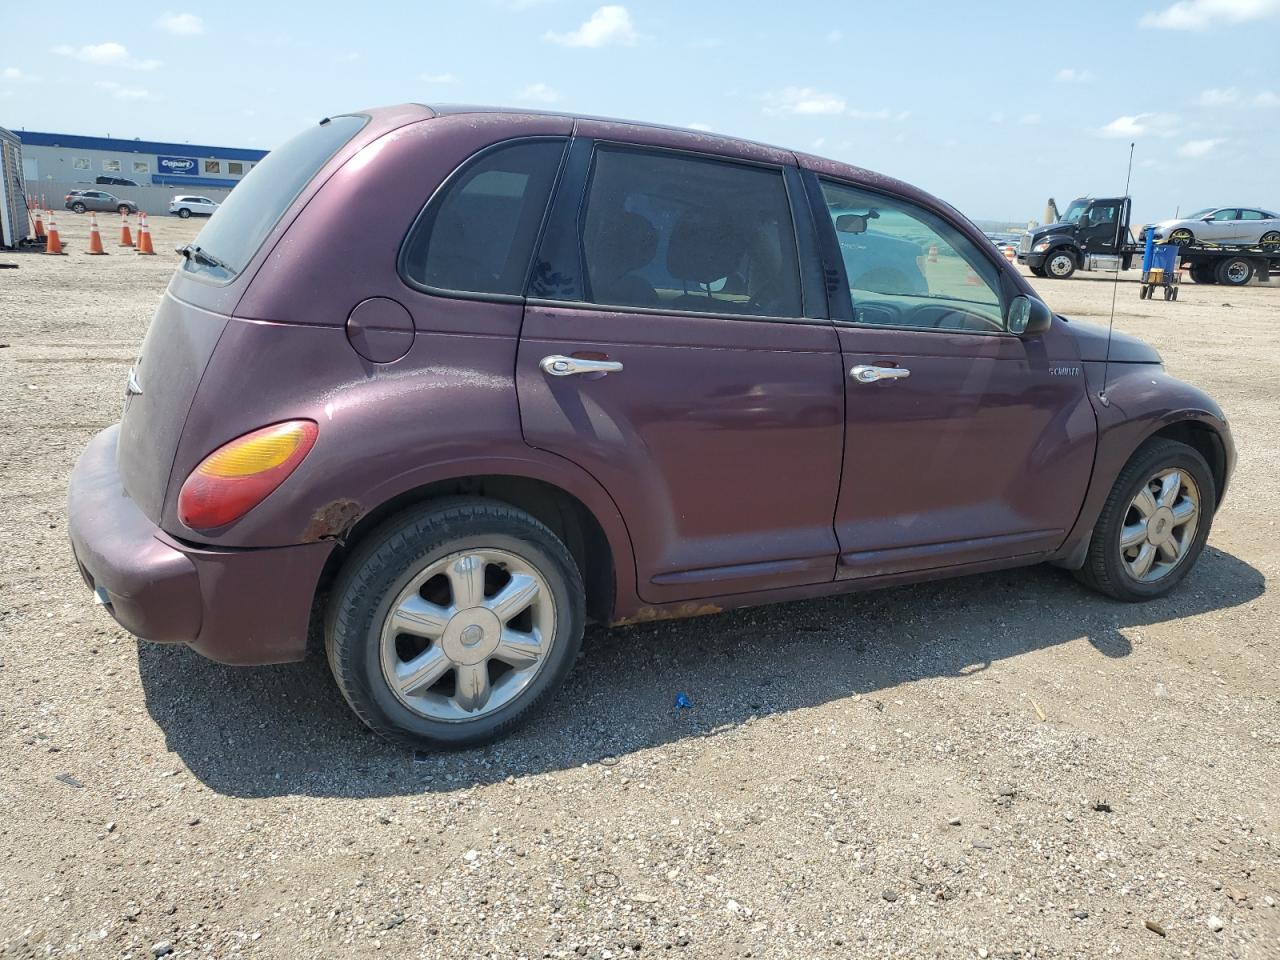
865,373
560,366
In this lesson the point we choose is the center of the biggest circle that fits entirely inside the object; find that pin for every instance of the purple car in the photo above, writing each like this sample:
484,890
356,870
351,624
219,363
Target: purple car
459,380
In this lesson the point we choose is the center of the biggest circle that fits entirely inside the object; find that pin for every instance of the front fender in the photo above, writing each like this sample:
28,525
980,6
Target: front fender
1141,400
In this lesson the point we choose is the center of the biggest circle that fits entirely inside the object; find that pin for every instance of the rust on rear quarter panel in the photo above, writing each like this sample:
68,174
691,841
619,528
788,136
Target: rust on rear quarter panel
332,520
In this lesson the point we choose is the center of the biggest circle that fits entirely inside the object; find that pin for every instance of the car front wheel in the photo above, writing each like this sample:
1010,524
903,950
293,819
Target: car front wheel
1060,264
1154,524
1181,237
452,622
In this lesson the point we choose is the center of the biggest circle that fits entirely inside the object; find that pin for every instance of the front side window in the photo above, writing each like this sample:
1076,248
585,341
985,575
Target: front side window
907,267
477,234
1103,214
679,233
1228,213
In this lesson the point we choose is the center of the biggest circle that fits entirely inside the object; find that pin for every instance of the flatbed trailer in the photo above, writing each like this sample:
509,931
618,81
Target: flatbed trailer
1233,266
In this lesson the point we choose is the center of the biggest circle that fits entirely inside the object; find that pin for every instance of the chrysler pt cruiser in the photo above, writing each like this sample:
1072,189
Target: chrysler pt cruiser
453,381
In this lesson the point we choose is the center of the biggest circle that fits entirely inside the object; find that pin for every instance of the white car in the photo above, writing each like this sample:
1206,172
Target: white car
1230,225
188,206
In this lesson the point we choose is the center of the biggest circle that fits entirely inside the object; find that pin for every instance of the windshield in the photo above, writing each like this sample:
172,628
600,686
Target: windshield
1073,212
238,227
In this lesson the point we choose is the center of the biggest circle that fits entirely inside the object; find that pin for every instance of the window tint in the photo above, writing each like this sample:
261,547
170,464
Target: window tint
909,268
239,226
1252,215
1228,213
478,232
673,232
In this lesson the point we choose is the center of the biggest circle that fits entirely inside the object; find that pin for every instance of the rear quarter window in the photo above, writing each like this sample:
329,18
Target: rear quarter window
236,231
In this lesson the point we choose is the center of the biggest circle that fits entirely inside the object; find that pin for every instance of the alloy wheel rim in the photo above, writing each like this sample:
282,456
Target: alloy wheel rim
1160,525
468,634
1180,236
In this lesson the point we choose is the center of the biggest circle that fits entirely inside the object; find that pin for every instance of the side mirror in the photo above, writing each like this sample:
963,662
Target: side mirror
1209,219
1027,316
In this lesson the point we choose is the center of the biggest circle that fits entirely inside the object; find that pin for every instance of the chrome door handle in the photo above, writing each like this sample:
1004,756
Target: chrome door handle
559,366
864,373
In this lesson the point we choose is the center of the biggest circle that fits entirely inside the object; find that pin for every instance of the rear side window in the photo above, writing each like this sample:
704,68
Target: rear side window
673,232
477,233
234,233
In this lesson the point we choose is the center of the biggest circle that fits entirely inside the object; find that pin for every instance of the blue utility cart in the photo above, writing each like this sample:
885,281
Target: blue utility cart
1160,262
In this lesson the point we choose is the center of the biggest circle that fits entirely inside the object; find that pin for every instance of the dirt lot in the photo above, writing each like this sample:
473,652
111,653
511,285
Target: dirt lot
866,776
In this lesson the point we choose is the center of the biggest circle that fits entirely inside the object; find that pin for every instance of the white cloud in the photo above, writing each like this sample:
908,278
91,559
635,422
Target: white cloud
108,54
818,144
1199,148
538,93
1072,75
181,24
1029,119
1267,99
803,100
835,36
881,114
1202,14
1141,125
608,25
1215,97
14,75
121,92
438,78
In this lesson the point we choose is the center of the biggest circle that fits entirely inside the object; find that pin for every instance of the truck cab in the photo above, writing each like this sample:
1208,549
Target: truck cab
1093,234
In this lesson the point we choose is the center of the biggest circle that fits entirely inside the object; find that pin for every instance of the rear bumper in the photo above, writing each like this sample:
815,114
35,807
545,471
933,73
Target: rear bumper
234,606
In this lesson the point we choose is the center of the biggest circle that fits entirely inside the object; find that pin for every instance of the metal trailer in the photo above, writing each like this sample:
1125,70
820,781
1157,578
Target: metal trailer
1231,265
14,224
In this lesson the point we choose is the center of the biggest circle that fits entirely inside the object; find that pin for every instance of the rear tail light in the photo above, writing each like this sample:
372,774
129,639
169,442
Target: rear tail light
239,475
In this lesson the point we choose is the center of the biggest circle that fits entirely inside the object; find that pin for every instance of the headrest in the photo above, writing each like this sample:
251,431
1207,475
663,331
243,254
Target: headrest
705,246
628,241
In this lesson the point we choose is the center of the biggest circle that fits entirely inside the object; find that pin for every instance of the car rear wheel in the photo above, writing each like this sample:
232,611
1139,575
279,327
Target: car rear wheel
1235,272
1153,525
1270,237
122,209
452,622
78,207
184,213
1182,236
1060,264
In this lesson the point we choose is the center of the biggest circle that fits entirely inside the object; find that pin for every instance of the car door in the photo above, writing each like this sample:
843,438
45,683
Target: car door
1254,224
1220,226
669,349
964,444
1098,234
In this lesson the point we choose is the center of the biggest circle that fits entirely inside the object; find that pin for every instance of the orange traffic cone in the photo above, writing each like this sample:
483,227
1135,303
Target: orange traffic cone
972,279
933,253
1009,254
95,238
53,243
39,224
126,238
144,237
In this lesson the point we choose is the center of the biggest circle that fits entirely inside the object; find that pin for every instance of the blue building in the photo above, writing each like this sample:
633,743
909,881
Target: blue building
65,158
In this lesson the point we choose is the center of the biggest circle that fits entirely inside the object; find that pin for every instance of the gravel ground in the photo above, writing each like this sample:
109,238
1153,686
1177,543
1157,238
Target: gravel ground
1000,766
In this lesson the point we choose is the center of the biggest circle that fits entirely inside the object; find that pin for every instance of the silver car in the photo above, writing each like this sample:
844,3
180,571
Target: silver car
99,201
1234,225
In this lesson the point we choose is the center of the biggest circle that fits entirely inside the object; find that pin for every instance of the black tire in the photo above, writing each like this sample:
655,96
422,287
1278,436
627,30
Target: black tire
1202,274
184,213
123,209
1182,237
78,207
1037,271
1060,264
1235,271
1175,294
1270,237
385,562
1103,568
1144,291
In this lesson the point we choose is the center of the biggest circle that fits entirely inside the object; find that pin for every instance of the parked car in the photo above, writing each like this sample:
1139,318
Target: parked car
187,206
1243,226
115,181
81,201
464,382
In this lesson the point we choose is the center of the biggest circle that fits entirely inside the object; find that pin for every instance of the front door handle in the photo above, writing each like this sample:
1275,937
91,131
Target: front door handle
558,366
865,373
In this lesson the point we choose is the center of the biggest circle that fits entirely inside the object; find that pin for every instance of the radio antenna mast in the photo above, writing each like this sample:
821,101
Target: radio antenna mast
1115,285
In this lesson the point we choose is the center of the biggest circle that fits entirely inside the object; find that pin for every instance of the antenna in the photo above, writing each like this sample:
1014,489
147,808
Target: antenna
1115,286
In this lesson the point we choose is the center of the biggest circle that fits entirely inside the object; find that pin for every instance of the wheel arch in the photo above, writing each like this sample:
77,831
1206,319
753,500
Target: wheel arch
1206,441
603,561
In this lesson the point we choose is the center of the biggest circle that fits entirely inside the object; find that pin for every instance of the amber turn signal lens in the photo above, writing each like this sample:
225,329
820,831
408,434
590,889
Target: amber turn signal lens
239,475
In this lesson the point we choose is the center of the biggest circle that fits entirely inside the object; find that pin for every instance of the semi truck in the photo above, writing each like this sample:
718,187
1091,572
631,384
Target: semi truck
1094,234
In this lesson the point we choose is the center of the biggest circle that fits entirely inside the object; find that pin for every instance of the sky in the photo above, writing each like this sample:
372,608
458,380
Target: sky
992,106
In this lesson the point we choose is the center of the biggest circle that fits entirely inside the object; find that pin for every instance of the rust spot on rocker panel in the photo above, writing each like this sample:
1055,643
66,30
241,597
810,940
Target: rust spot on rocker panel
332,520
678,612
